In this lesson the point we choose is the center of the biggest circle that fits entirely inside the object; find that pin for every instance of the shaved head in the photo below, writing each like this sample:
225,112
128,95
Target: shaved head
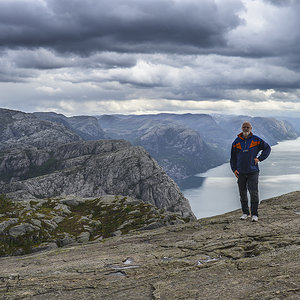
246,124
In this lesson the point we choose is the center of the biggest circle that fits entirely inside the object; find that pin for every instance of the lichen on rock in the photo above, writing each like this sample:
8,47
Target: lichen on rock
52,220
219,257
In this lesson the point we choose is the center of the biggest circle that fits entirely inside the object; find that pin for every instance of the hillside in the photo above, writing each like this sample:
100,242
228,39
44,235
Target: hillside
215,258
23,130
187,144
87,127
89,169
34,225
43,159
180,150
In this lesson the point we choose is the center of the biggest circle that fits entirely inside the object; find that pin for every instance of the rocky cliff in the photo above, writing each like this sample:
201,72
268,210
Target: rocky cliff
21,130
90,169
180,150
41,158
214,258
87,127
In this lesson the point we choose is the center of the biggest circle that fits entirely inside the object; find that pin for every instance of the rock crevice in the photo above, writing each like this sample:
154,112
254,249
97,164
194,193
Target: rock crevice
220,257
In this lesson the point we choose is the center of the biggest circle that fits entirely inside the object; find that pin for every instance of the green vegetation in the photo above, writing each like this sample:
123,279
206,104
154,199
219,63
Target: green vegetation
6,206
49,220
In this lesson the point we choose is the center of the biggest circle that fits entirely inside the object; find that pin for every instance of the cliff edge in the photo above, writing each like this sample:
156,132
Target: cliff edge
220,257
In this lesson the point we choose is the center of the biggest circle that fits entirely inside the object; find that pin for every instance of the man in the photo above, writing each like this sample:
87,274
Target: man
244,164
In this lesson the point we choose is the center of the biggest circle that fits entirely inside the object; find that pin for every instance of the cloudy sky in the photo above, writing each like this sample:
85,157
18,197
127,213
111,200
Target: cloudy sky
131,56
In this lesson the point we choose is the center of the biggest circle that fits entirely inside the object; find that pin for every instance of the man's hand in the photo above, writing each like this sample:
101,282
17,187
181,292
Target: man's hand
256,160
236,173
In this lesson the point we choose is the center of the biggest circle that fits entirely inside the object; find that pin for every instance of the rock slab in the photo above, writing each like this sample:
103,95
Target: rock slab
220,257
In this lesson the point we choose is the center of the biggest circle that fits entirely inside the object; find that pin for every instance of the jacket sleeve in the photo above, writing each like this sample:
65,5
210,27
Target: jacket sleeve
233,158
266,149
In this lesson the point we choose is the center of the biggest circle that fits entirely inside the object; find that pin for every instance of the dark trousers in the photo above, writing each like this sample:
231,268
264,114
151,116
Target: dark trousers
249,182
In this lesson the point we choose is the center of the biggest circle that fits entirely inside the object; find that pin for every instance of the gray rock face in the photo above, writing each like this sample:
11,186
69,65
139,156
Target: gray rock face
21,229
90,169
21,130
86,127
180,150
7,223
220,257
38,160
56,222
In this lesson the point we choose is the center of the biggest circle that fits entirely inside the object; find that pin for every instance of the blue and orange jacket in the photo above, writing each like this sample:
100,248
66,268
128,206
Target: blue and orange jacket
243,152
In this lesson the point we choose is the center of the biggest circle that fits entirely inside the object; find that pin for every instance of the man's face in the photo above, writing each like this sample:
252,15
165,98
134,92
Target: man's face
246,128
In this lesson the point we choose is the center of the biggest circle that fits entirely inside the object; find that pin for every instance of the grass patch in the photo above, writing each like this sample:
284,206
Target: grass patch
99,217
6,205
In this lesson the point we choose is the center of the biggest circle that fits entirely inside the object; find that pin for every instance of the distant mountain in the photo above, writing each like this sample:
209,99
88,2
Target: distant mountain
180,150
183,144
294,121
21,130
187,144
222,129
269,129
87,127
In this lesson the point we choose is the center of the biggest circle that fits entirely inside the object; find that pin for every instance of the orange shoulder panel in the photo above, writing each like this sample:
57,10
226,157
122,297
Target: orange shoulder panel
254,143
238,146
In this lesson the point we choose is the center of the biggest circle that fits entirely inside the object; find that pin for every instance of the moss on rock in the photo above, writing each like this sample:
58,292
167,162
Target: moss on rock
53,221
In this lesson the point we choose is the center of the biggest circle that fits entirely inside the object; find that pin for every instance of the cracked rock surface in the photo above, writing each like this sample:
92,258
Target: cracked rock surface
90,169
221,257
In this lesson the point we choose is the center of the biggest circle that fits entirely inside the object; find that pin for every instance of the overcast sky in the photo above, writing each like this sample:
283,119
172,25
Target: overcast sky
131,56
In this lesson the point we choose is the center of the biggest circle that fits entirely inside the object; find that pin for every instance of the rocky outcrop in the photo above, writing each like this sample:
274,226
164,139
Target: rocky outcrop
36,225
214,258
22,130
87,127
179,150
90,169
38,160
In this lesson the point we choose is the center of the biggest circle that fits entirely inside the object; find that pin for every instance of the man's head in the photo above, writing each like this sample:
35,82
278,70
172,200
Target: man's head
246,129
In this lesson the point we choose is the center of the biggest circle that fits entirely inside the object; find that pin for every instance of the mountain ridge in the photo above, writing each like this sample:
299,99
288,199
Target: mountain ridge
36,163
215,133
92,168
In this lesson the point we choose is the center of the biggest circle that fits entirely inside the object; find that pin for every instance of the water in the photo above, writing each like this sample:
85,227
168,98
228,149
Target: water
215,192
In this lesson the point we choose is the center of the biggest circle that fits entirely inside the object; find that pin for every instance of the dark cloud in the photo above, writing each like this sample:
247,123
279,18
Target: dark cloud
61,53
281,2
132,26
43,59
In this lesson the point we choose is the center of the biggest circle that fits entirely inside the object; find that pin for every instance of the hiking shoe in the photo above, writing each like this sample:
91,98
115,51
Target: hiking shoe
254,218
244,217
